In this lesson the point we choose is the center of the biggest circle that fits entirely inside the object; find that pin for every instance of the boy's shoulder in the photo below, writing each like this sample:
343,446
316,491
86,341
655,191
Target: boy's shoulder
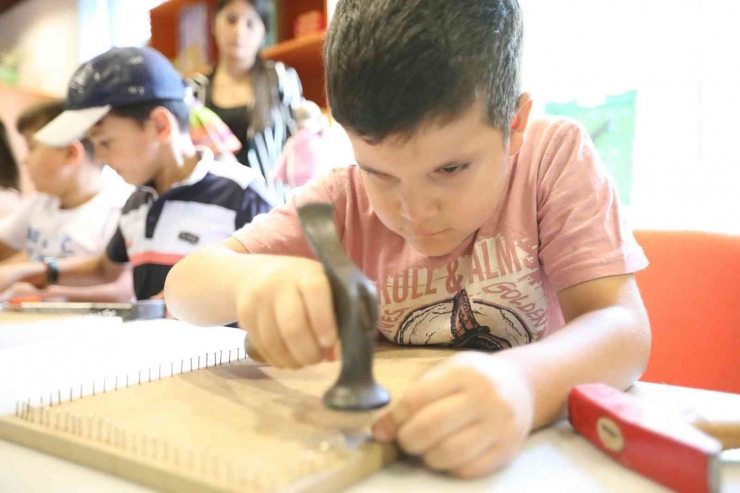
114,194
244,176
554,145
553,130
40,203
139,197
245,181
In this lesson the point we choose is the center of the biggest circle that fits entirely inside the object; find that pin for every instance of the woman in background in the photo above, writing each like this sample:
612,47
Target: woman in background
10,197
254,97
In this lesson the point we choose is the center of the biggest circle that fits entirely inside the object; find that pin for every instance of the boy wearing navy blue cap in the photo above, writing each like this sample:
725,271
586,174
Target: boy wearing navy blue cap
131,103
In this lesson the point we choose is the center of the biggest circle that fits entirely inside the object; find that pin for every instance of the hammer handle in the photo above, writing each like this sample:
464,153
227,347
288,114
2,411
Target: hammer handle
727,432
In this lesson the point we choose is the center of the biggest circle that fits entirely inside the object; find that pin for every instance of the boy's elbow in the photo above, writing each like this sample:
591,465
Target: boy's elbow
181,293
639,338
171,291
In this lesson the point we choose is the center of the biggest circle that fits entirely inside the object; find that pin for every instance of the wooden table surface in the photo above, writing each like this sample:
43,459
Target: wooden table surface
553,460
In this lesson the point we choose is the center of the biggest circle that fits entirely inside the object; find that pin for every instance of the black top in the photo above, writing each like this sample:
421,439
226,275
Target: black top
260,150
237,119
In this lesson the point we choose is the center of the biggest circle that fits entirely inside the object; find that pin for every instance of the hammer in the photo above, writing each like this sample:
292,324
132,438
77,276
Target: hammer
355,308
675,453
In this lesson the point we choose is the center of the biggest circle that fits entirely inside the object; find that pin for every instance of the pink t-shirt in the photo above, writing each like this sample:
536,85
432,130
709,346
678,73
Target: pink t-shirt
558,225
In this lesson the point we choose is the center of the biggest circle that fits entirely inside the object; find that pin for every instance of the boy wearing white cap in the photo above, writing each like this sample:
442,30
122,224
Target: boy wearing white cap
131,103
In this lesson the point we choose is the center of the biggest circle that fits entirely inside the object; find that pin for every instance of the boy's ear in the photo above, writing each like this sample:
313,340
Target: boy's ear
163,122
519,123
74,153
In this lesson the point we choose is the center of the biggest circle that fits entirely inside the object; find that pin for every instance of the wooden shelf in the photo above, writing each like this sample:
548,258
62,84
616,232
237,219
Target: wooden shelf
296,49
304,54
165,22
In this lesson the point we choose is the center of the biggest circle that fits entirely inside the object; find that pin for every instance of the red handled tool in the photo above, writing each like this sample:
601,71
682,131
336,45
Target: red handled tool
680,455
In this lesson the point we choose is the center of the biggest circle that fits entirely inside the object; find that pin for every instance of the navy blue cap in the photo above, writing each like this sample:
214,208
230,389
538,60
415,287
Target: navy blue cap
118,77
123,76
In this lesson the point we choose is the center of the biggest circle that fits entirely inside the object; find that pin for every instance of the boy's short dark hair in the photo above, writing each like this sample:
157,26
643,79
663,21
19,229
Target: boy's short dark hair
140,112
393,64
9,174
37,116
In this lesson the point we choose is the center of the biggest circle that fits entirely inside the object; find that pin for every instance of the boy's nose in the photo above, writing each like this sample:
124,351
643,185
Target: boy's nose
417,206
242,28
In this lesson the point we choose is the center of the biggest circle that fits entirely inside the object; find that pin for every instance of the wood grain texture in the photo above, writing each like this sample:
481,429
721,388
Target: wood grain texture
240,426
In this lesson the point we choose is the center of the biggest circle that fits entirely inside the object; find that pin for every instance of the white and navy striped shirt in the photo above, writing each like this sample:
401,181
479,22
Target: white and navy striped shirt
155,232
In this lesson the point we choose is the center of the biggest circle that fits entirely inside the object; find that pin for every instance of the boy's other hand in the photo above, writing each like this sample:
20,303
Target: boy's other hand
6,278
289,313
19,290
468,416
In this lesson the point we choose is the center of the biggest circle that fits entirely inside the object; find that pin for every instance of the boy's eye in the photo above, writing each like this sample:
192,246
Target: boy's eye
450,170
232,19
372,172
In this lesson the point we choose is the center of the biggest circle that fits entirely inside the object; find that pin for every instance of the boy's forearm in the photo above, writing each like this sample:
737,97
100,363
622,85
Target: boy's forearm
18,258
6,252
30,272
77,271
119,291
202,288
85,271
610,345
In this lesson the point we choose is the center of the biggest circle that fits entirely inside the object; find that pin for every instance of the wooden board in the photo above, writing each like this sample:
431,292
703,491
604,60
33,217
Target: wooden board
237,426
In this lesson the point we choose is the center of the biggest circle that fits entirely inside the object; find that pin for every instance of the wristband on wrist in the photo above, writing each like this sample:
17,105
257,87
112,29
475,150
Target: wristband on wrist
52,270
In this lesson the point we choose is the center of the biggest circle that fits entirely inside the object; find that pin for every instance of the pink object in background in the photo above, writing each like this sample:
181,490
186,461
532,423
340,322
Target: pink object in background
309,23
306,153
302,158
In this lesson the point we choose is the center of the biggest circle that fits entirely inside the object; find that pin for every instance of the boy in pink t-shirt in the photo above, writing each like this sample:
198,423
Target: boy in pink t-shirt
481,229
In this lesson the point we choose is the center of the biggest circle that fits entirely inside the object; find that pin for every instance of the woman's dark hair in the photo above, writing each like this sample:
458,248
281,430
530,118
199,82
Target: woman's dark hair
265,94
9,174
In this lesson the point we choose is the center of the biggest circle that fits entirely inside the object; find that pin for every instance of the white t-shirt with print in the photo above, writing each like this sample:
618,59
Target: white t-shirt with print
10,201
42,229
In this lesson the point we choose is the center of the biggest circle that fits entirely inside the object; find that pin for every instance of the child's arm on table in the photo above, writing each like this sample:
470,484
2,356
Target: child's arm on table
82,271
120,290
283,302
16,258
472,414
6,252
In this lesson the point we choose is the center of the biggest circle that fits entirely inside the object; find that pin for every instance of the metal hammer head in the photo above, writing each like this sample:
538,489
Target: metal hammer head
663,448
356,310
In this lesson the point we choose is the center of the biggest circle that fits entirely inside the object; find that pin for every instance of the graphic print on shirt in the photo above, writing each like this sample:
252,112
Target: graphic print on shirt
39,246
467,332
491,299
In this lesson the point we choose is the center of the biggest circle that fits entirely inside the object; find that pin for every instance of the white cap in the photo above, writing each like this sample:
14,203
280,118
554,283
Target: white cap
71,125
